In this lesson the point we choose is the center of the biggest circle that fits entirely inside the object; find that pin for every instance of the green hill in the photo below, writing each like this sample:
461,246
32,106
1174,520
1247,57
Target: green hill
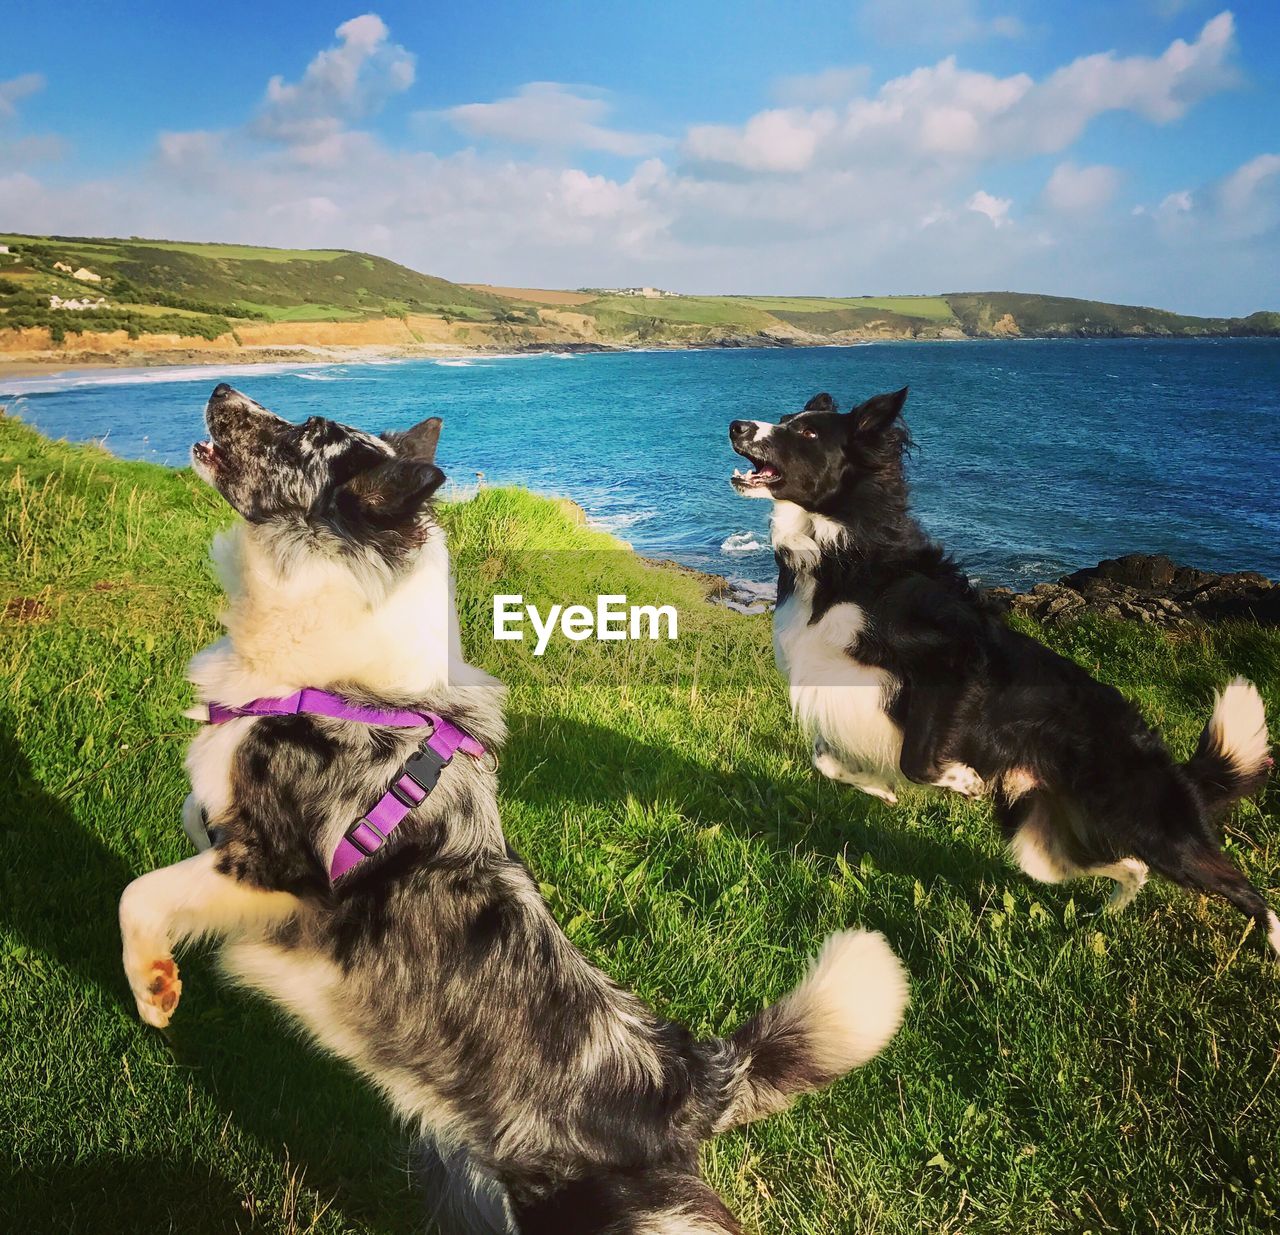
152,287
1016,313
205,285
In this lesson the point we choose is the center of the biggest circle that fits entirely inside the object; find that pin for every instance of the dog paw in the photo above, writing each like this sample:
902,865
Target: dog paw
826,763
156,990
874,788
1130,876
962,780
831,767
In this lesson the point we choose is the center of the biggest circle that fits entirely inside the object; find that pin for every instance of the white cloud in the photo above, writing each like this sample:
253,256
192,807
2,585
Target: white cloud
1241,205
946,114
1241,191
342,84
1078,190
18,88
833,85
22,151
781,140
842,189
995,208
936,22
548,114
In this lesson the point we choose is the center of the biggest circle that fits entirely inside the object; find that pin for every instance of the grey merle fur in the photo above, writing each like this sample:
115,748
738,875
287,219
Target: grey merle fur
549,1099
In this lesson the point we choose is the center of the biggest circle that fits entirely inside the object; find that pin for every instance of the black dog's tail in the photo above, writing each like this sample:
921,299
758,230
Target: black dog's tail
842,1014
1231,762
1232,759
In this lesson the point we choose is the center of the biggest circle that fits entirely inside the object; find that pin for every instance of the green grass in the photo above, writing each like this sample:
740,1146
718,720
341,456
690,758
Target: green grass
624,315
681,310
929,308
304,312
1058,1071
109,249
332,285
248,252
286,284
978,312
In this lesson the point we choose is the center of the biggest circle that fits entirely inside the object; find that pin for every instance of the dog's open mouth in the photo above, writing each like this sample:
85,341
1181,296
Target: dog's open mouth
207,455
761,476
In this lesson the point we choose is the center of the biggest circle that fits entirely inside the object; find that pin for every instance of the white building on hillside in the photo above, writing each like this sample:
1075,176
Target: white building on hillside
87,276
56,302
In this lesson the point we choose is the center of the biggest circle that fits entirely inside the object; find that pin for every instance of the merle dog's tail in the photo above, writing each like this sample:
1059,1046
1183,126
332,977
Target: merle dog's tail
842,1014
1232,759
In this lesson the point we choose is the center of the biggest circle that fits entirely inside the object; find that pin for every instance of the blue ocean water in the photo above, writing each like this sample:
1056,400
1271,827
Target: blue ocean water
1033,458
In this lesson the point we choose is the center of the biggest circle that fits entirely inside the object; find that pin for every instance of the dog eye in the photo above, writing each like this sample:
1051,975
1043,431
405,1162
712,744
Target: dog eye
808,433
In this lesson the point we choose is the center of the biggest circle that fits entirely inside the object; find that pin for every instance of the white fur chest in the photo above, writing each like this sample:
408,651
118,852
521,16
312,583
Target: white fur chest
833,696
209,760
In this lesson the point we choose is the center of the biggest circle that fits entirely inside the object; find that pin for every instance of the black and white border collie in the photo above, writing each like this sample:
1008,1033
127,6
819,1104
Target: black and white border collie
901,673
552,1101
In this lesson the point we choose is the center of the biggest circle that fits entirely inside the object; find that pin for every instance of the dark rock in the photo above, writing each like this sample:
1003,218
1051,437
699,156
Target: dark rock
1151,589
1152,573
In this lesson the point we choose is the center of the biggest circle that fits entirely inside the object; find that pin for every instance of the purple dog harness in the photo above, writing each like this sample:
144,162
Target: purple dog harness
412,783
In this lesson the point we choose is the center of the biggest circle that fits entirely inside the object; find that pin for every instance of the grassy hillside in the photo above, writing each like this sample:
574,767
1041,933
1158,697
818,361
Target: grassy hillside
1015,313
240,295
1059,1071
214,284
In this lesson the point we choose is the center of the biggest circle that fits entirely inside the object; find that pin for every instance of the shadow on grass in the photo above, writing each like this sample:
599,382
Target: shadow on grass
558,759
59,886
118,1194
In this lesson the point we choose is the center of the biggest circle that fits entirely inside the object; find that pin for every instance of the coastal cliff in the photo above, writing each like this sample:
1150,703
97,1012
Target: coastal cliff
75,300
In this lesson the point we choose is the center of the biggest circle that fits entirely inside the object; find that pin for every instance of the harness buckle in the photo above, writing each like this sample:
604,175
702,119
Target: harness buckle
424,766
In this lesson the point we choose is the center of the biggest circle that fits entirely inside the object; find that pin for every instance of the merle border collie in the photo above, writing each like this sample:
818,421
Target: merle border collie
548,1099
900,672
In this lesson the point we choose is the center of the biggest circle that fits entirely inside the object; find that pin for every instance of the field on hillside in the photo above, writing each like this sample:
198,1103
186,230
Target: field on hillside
534,295
215,284
927,308
1059,1071
189,290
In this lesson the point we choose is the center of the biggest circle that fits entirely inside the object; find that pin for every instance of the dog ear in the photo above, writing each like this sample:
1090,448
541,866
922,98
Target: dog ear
420,441
358,455
877,413
391,494
820,403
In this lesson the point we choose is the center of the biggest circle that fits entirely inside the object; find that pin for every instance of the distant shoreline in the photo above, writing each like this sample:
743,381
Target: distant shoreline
27,365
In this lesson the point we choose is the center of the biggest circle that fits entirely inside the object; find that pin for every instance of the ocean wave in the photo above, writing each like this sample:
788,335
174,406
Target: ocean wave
754,588
742,542
619,522
454,363
57,383
748,596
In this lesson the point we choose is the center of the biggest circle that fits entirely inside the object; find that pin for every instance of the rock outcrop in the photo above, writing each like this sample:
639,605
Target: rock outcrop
1151,589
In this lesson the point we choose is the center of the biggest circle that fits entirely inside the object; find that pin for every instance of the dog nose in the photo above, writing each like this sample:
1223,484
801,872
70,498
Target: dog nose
741,430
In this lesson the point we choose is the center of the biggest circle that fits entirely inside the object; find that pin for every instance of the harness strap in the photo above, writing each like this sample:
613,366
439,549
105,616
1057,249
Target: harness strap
412,783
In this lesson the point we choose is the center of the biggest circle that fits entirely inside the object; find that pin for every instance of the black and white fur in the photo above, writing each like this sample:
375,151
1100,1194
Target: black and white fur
548,1099
901,673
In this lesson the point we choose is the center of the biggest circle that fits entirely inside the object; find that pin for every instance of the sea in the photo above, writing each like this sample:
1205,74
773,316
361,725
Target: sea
1032,458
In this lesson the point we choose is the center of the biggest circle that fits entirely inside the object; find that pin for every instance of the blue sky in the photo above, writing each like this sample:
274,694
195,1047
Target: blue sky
1125,150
